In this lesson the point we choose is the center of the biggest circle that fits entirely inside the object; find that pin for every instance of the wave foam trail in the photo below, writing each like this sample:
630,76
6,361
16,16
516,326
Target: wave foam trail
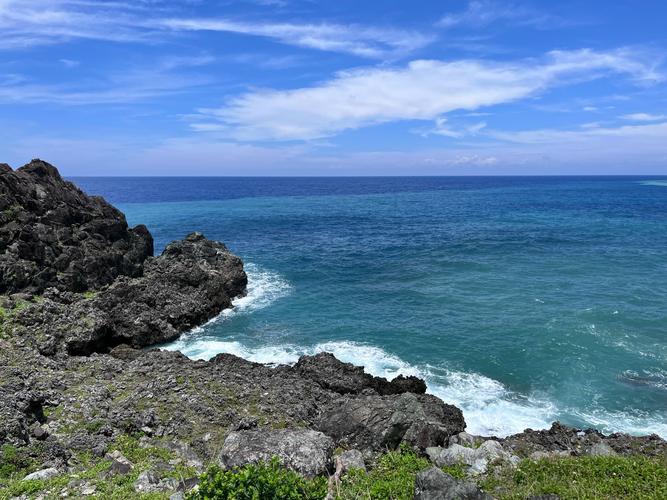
489,407
264,287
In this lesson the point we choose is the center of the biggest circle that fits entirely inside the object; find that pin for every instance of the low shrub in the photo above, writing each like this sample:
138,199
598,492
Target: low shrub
258,482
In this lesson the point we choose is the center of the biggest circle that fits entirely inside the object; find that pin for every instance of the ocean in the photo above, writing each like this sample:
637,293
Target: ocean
521,300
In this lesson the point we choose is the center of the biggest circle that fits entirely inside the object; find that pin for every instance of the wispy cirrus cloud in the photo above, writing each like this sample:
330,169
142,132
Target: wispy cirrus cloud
168,76
39,22
643,117
482,13
359,40
586,134
422,90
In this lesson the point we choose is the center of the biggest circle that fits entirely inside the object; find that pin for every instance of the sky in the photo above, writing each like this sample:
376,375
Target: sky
305,87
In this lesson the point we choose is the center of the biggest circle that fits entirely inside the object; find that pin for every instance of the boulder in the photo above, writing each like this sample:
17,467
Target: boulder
379,422
54,235
465,439
345,378
434,484
305,451
351,459
601,450
148,481
42,475
477,459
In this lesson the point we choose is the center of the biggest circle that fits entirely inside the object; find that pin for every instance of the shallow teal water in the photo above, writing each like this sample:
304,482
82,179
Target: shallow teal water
521,300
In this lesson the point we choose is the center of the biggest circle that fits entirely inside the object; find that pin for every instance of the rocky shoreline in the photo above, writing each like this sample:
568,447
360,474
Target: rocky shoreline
83,296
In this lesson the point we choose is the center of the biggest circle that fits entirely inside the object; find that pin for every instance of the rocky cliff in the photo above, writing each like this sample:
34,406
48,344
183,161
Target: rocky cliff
54,235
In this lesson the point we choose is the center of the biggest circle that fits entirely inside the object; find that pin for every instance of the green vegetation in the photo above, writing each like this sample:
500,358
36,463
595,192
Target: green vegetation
13,462
93,471
7,315
90,294
257,482
582,478
12,212
393,477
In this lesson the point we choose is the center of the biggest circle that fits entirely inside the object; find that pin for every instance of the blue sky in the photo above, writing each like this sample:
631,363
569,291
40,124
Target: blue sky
301,87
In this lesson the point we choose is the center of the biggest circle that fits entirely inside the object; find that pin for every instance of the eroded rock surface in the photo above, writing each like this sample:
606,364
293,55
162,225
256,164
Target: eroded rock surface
54,235
379,422
345,378
563,440
191,282
303,450
434,484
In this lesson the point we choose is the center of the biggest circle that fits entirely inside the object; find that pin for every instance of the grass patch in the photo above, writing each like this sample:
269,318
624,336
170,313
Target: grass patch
582,478
14,465
7,316
392,478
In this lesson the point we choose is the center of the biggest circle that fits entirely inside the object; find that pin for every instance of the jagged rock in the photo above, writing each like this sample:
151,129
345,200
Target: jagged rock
572,441
434,484
42,475
190,283
119,464
147,482
345,378
477,459
381,422
54,235
305,451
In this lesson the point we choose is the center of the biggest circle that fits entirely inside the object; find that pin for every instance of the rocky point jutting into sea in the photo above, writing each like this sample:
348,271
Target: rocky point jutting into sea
83,299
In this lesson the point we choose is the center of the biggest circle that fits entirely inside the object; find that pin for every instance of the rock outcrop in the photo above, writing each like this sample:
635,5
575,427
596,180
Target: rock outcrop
434,484
54,235
306,451
191,282
345,378
377,422
565,441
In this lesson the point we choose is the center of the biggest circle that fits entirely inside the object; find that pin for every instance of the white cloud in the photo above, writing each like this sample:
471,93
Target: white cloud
359,40
35,22
586,134
643,117
480,13
442,128
423,90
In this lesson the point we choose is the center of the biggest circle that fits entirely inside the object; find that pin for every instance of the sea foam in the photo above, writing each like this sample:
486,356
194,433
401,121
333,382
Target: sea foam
489,407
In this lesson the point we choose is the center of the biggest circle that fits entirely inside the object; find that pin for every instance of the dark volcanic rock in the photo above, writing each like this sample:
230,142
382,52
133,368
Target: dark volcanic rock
306,451
434,484
54,235
380,422
345,378
190,283
569,440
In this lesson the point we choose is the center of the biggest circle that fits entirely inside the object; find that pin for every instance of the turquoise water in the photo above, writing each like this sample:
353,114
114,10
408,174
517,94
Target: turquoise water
521,300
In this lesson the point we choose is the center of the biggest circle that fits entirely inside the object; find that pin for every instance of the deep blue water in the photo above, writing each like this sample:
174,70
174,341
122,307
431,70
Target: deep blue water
522,300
